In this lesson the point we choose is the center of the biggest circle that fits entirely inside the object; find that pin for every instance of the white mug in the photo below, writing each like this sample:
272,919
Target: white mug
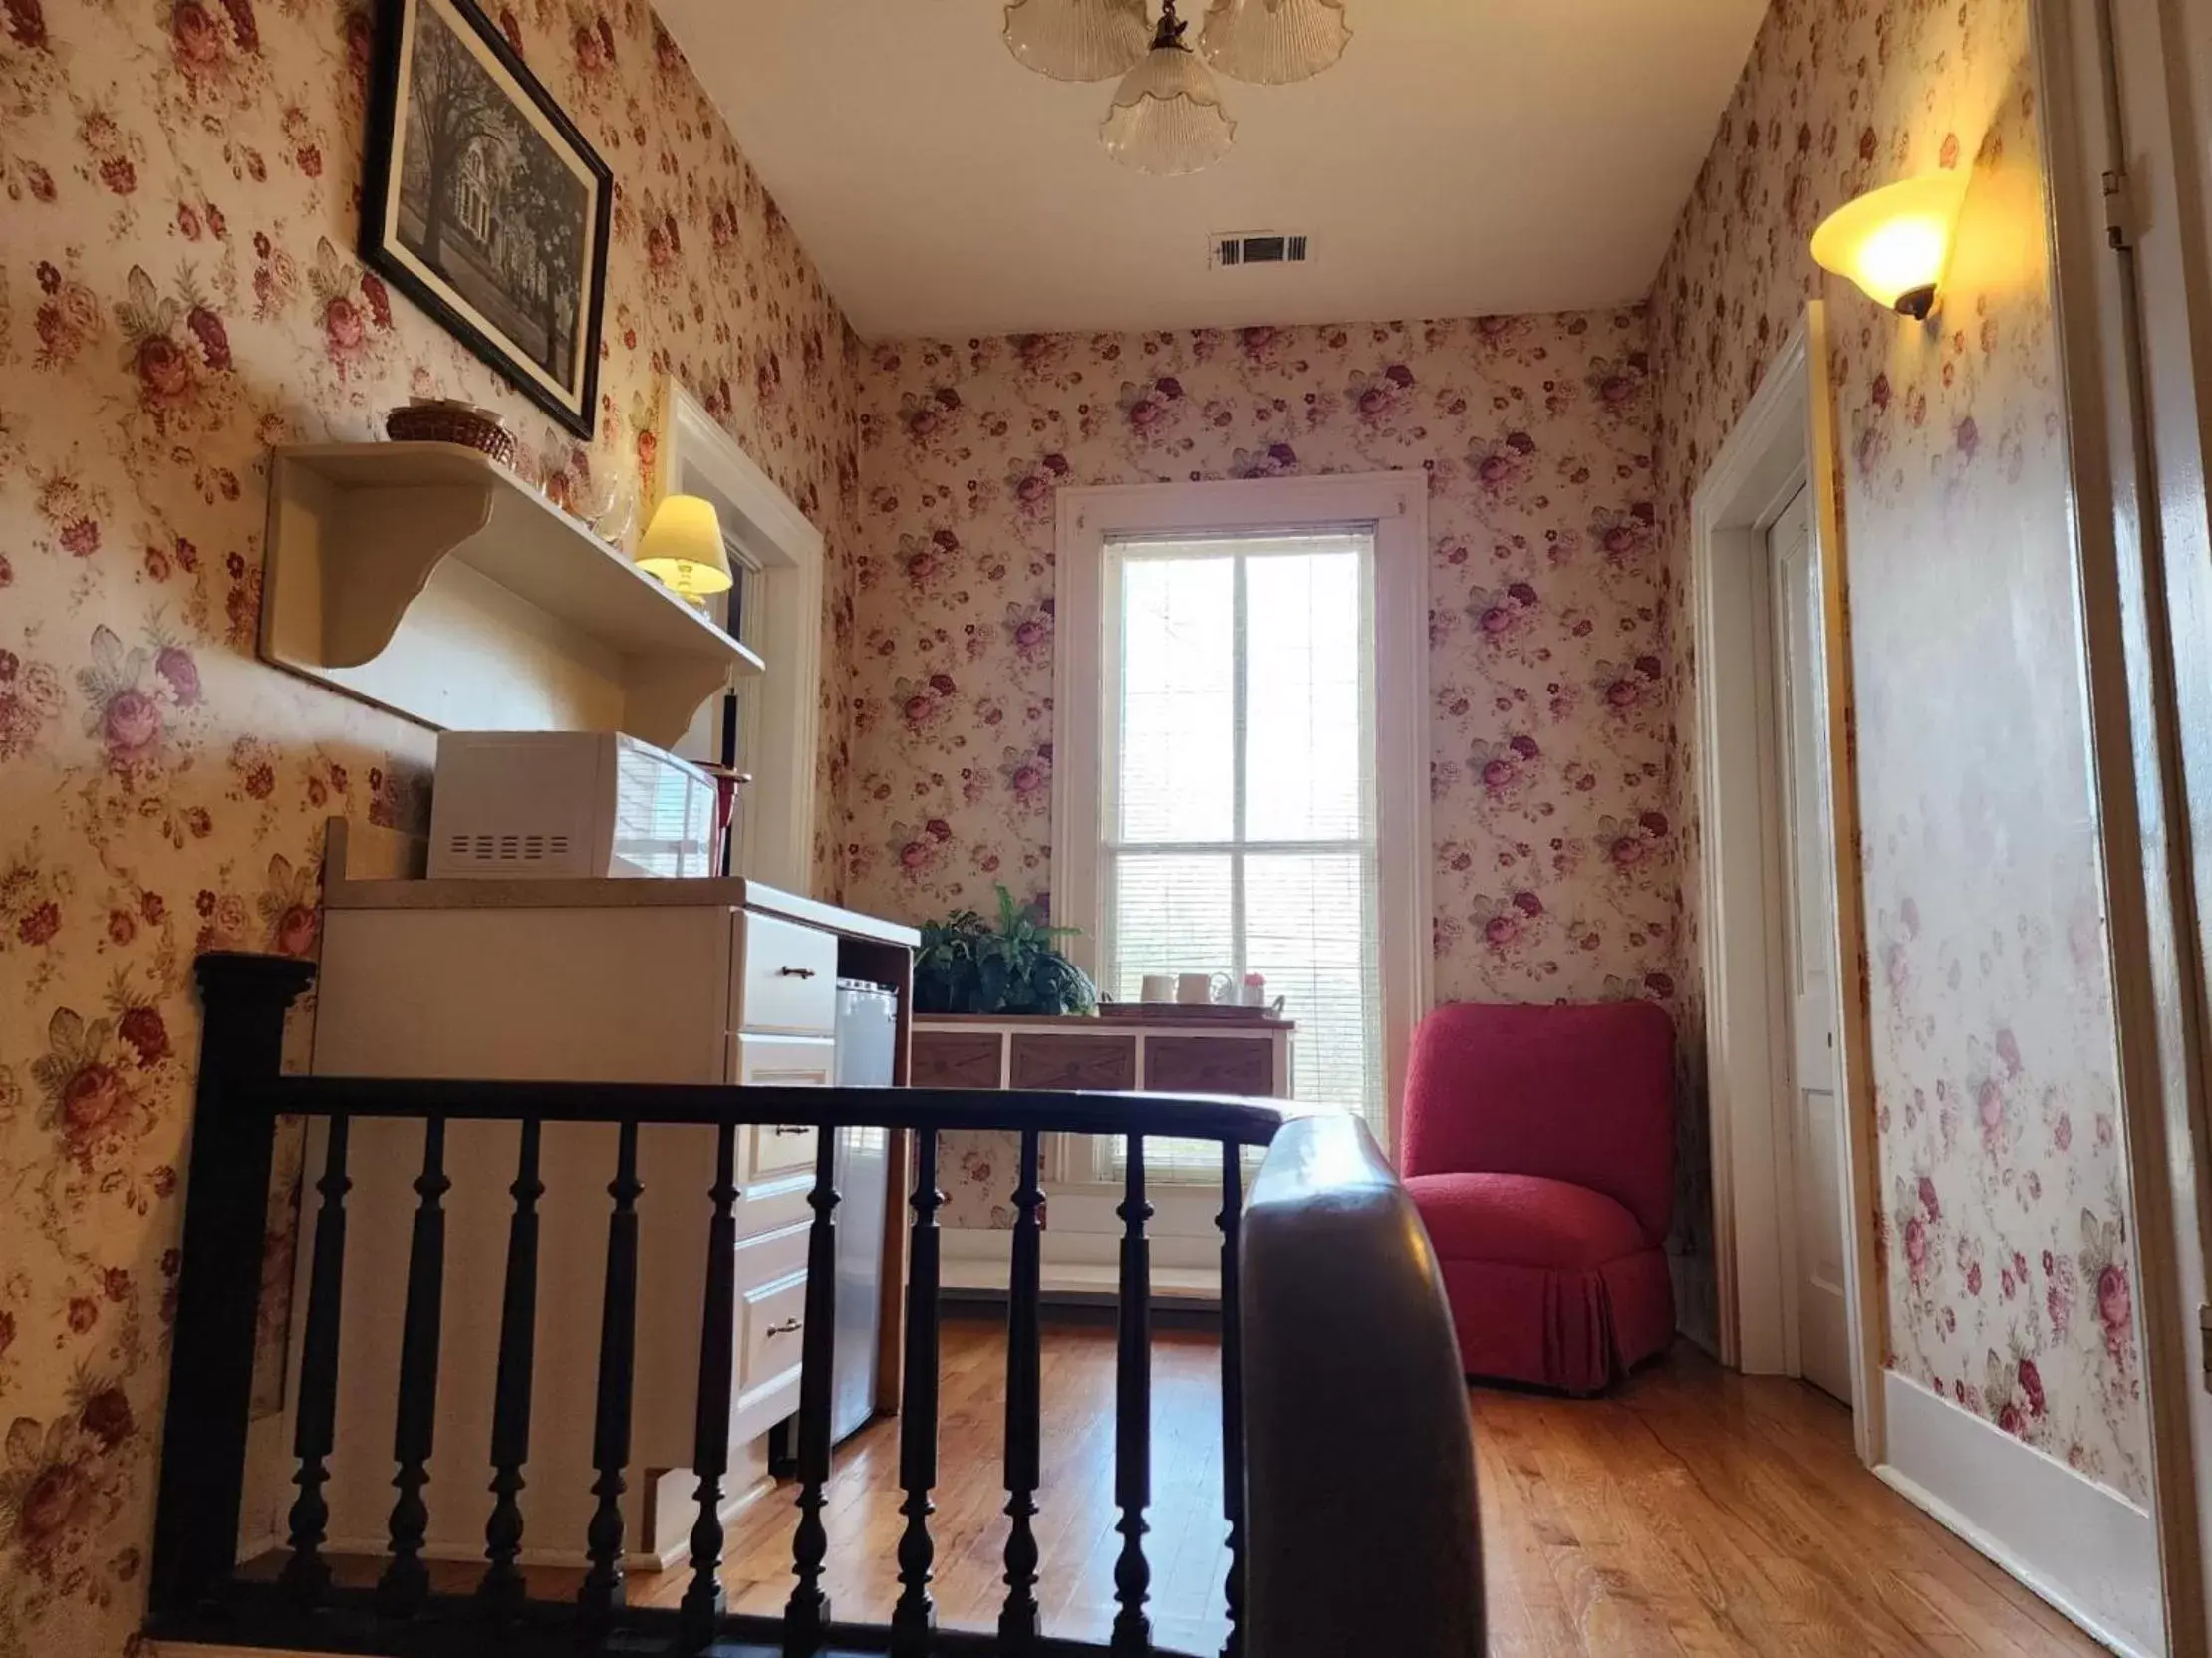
1200,989
1157,986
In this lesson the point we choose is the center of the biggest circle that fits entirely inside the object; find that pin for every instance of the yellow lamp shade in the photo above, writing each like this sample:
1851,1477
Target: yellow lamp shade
1894,242
684,548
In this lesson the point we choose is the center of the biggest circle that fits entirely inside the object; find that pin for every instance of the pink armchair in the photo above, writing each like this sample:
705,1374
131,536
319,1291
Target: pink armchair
1539,1151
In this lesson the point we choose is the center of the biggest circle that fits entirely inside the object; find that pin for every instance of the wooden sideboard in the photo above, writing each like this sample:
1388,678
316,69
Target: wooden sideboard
1196,1055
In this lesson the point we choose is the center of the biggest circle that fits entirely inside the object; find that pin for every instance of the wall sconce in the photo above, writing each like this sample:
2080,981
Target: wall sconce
684,548
1894,242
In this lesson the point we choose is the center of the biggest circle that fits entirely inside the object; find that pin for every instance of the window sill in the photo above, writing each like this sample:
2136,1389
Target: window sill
1080,1279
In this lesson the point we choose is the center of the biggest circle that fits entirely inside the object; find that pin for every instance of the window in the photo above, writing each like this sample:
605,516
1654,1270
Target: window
1239,799
1241,776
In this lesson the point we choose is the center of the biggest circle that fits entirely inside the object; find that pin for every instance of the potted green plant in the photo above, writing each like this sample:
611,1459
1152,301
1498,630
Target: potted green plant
965,966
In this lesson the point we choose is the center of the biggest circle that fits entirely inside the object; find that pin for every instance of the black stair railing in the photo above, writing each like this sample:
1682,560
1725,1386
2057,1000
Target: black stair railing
198,1592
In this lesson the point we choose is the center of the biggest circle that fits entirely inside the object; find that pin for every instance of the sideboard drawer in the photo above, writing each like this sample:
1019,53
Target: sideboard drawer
1212,1065
955,1060
774,1331
1057,1062
786,977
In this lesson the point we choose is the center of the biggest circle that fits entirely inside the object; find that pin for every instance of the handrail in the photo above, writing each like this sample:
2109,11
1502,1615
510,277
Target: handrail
1362,1532
1244,1121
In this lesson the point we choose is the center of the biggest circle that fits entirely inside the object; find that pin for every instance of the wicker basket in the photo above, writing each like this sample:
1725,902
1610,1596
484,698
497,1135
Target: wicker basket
442,421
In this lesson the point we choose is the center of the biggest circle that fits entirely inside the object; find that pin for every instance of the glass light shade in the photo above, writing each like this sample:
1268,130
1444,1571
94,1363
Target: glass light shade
1894,242
684,548
1077,40
1273,42
1167,118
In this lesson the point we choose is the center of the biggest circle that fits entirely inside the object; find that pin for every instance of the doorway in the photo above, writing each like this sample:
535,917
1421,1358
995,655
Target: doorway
1783,945
1805,831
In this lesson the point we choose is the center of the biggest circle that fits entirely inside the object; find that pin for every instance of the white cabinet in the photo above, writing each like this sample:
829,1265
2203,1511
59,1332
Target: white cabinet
687,982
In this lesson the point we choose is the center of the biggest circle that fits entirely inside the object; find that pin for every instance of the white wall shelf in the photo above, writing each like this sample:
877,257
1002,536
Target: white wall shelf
428,579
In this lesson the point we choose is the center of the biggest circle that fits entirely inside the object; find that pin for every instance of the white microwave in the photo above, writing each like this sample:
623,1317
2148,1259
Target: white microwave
509,805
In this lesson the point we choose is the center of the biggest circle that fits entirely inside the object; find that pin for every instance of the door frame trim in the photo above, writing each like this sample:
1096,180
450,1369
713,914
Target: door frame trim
1784,441
2134,450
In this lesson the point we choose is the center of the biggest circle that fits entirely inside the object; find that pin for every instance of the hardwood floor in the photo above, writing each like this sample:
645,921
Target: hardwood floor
1693,1511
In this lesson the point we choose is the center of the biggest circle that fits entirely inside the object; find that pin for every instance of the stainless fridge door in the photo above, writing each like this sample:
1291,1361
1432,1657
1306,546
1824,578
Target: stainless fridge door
865,1026
861,1158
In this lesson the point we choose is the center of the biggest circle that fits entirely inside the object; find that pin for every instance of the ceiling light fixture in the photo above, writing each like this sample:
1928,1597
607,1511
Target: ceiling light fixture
1273,42
1077,40
1894,242
1167,118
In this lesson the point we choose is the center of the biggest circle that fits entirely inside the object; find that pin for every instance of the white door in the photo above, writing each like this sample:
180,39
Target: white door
1808,868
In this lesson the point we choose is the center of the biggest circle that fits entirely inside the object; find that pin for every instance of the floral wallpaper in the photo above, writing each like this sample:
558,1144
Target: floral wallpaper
2005,1216
1554,871
176,294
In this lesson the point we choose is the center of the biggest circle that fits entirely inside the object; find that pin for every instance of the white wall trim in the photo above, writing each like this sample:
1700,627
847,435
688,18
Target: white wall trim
1397,506
781,734
2085,1549
2130,339
1784,442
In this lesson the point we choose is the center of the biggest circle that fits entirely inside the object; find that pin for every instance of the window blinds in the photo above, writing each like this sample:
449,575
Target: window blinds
1238,805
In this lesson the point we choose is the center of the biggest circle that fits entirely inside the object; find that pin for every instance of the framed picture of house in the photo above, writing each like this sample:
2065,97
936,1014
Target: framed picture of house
484,204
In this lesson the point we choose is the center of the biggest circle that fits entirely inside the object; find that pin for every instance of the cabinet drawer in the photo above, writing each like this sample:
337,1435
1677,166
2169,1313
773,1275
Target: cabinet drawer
781,1149
765,1262
773,1336
786,976
778,1148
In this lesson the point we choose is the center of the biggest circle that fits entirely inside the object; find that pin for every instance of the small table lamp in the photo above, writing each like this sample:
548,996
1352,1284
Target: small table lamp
682,548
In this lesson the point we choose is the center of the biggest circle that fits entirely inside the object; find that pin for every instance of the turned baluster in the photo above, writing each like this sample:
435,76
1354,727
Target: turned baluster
1133,1412
702,1598
1017,1620
602,1591
915,1615
306,1573
501,1590
406,1583
807,1614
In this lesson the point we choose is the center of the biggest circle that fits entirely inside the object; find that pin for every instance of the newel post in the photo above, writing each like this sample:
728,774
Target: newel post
243,999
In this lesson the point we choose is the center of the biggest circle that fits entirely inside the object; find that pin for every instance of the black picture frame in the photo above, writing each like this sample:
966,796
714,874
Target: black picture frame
471,278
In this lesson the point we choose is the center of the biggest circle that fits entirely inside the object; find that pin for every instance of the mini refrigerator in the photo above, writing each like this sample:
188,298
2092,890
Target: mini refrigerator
867,1026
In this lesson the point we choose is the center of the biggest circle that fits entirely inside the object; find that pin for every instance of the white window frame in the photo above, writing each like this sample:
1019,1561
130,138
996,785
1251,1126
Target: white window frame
779,556
1394,508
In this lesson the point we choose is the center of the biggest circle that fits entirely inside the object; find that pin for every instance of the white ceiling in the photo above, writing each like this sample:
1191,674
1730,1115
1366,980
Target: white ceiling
1465,156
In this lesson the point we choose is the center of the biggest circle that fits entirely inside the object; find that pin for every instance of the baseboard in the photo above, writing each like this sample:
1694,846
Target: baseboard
1077,1282
2085,1550
1068,1245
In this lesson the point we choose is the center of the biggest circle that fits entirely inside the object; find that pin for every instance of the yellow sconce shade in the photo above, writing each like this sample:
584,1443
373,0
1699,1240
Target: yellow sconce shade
684,548
1894,242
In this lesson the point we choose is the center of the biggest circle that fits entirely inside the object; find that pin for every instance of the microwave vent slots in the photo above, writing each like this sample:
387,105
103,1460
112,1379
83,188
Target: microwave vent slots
507,849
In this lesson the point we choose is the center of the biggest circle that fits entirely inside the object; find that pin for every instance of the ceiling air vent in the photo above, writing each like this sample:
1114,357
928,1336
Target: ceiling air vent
1264,247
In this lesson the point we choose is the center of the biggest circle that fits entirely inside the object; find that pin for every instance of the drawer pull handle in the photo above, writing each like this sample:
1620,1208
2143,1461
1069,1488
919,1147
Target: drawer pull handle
792,1128
790,1326
794,973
